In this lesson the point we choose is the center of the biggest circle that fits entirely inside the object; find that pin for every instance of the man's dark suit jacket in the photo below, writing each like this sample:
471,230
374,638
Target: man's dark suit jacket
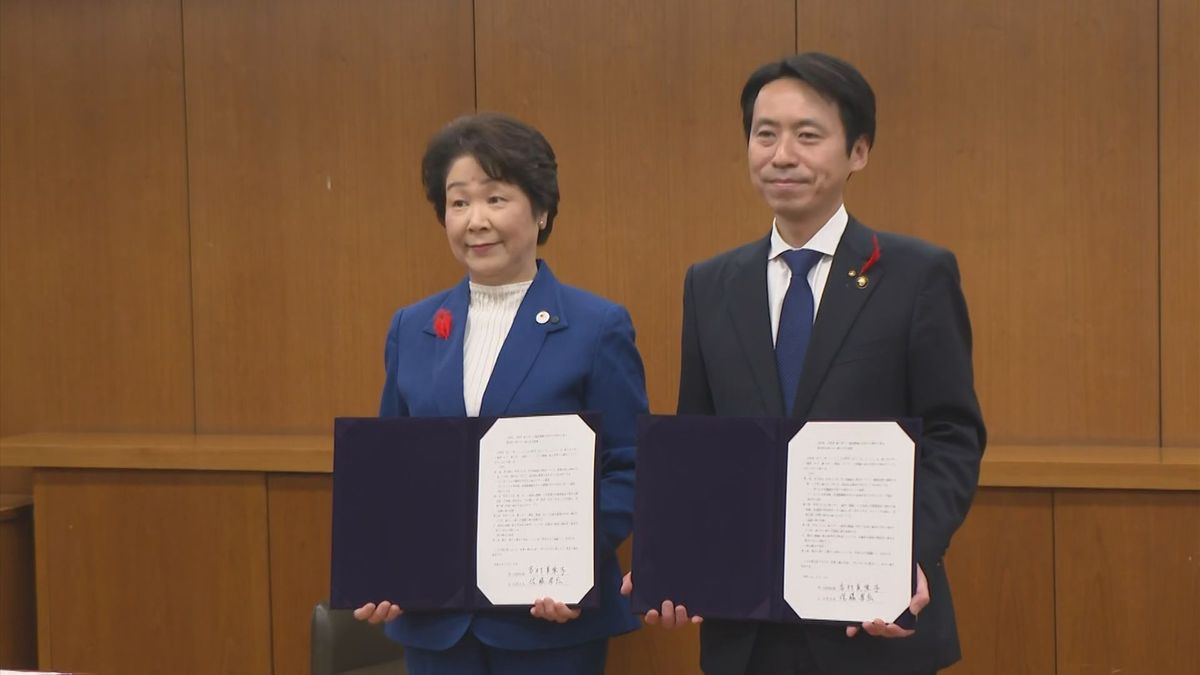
898,347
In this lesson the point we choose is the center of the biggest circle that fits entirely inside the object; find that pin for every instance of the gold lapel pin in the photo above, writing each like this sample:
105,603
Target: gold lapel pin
862,282
853,273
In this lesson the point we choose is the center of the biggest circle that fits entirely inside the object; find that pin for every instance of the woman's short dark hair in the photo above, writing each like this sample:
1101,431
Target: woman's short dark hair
832,78
507,150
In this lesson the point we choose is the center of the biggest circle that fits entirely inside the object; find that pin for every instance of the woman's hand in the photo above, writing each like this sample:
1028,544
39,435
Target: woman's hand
548,609
372,613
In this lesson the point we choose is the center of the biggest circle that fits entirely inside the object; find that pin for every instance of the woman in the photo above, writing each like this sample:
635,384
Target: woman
511,340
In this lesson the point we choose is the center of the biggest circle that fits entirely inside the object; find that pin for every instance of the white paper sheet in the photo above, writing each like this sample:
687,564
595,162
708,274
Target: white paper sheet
536,510
848,531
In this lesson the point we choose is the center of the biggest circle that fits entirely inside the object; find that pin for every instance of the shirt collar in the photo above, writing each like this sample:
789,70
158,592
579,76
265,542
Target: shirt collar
825,240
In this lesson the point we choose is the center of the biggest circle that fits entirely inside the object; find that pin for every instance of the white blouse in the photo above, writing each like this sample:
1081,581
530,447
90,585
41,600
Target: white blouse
489,319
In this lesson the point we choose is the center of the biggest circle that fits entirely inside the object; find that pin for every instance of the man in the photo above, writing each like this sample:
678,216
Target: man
871,326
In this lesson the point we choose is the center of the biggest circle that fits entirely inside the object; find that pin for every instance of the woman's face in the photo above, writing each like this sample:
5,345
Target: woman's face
490,225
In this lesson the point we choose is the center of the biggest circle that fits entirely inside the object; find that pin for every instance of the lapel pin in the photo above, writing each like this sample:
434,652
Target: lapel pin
853,273
542,316
862,279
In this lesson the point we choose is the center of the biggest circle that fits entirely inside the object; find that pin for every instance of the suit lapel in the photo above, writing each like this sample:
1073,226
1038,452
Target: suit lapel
448,353
751,318
841,302
524,341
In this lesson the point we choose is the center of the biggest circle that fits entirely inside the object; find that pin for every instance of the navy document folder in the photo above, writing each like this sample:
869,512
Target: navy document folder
711,510
406,513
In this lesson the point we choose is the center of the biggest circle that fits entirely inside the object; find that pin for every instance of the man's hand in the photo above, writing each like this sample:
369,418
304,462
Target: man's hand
878,628
373,614
672,615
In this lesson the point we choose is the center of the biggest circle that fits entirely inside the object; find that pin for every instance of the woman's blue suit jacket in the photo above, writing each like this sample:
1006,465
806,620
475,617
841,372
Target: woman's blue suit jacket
582,358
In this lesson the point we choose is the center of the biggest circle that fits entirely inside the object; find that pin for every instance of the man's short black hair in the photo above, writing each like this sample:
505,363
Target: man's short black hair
507,150
830,77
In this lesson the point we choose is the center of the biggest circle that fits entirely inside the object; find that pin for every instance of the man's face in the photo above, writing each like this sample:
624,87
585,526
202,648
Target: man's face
797,153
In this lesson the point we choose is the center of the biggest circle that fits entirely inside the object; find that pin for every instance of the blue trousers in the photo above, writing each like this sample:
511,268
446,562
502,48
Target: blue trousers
472,657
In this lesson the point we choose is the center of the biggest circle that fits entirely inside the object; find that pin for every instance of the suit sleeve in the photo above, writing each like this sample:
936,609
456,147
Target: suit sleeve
617,389
695,397
391,403
942,393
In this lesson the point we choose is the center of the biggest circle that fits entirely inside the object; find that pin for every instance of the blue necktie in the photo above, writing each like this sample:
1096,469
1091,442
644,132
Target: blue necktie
795,323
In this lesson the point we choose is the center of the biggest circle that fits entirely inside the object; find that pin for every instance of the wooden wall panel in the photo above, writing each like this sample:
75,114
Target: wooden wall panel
301,508
640,101
95,314
1022,135
1179,116
306,124
152,571
1001,567
1127,582
18,605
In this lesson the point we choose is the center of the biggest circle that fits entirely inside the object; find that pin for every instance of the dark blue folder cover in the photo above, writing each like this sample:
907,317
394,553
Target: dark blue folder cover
708,529
405,499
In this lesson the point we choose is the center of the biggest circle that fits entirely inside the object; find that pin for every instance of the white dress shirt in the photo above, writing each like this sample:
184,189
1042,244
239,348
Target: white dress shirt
779,275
